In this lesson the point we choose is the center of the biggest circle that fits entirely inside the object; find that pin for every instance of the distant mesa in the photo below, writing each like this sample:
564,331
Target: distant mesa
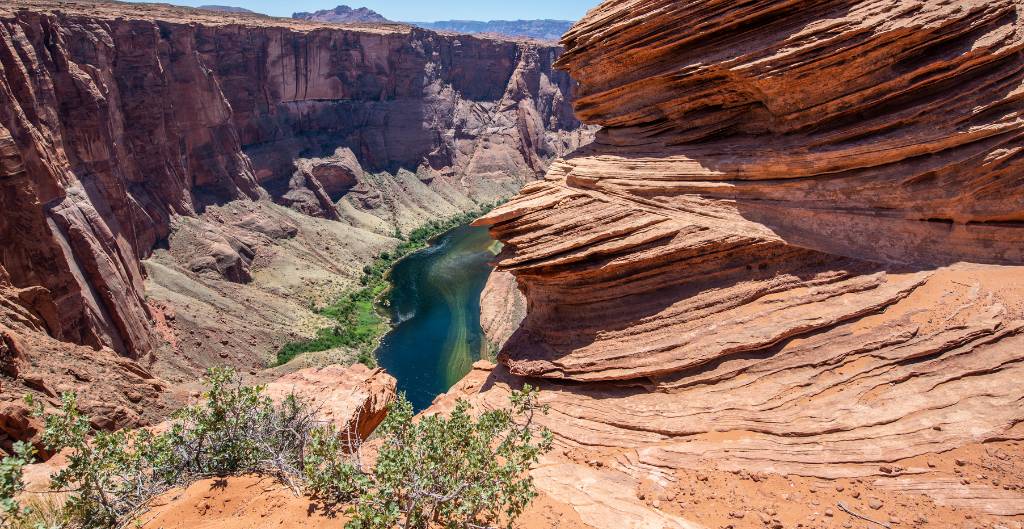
228,9
343,14
535,29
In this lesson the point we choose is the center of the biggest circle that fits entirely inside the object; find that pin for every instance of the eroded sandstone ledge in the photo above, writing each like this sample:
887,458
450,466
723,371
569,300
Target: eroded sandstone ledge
795,247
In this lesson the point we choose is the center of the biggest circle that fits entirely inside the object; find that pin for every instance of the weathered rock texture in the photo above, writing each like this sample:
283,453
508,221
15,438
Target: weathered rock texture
755,264
355,398
122,125
502,308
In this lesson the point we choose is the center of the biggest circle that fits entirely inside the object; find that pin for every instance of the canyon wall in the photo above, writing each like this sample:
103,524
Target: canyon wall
120,122
795,246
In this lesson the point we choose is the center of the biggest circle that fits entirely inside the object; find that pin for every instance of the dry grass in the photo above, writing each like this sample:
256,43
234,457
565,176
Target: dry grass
46,510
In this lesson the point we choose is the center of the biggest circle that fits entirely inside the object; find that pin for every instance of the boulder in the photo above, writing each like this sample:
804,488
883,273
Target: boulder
354,398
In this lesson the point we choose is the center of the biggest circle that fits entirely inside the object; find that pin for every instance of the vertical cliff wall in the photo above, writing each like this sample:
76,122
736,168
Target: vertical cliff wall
114,119
795,247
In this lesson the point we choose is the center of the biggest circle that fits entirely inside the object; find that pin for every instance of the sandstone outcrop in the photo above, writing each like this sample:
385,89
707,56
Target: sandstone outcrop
502,308
116,391
355,398
794,248
113,390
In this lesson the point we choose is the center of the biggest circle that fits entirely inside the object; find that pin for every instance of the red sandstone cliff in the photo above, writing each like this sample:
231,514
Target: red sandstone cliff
118,120
795,248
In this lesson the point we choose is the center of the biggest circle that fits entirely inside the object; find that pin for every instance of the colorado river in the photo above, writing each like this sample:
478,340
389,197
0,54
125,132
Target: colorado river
435,304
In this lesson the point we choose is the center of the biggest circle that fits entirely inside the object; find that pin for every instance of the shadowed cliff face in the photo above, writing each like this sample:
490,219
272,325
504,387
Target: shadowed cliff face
795,246
115,119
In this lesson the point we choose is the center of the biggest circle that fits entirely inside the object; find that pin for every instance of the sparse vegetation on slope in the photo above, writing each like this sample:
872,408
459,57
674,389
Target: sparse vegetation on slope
357,322
12,513
453,472
456,471
111,476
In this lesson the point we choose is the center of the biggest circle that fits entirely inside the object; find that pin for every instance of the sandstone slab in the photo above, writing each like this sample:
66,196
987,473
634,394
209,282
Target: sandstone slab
354,398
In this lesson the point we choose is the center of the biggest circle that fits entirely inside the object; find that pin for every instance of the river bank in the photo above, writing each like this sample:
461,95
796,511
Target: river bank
357,322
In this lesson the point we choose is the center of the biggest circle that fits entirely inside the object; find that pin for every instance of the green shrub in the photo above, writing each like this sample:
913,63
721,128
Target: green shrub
331,469
106,477
111,476
236,429
11,484
453,472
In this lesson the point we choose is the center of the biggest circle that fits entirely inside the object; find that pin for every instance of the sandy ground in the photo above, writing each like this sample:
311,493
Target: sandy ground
254,502
706,498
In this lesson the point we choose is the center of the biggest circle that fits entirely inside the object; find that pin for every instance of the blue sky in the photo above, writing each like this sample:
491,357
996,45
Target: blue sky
422,10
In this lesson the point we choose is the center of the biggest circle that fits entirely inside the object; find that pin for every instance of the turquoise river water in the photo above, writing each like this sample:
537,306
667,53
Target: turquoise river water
435,305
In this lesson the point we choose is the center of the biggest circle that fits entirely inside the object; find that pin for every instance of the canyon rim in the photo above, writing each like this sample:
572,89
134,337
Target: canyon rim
765,260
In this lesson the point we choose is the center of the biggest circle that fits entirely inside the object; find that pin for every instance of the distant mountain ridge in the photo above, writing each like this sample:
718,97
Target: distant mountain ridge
342,14
538,29
227,9
546,29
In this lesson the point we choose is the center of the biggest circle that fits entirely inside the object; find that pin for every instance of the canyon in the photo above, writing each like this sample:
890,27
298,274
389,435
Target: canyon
783,285
181,188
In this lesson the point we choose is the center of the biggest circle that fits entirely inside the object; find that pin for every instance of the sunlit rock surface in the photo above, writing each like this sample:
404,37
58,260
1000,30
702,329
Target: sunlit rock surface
794,248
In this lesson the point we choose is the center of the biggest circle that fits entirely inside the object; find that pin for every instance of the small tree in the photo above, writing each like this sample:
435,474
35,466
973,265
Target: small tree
456,472
236,429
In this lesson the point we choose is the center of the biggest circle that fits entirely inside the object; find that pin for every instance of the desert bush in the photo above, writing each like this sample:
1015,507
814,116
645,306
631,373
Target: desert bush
111,476
456,472
332,470
236,429
106,478
461,471
11,484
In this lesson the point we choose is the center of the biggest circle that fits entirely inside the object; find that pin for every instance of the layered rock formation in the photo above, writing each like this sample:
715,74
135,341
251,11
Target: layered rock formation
502,308
794,248
114,390
126,129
